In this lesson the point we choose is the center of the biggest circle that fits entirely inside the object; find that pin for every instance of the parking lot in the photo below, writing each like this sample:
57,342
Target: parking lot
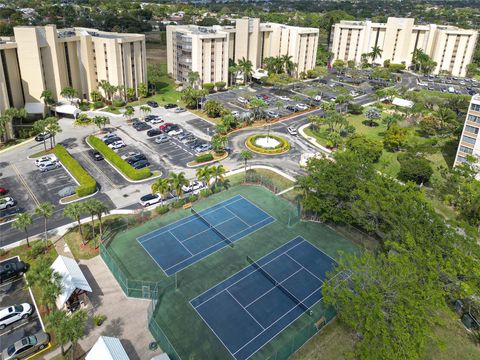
449,84
15,292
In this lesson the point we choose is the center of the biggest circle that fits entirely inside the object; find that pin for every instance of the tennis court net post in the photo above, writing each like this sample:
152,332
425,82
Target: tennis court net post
223,237
279,285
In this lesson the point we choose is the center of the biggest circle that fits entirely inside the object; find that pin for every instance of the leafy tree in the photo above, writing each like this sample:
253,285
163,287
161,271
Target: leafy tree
68,328
177,181
220,85
218,143
208,21
245,155
41,276
75,211
45,210
145,110
246,67
257,106
391,119
101,121
208,87
343,101
13,114
372,114
142,90
394,138
47,97
162,187
339,64
415,169
191,97
22,222
230,122
53,128
204,174
213,108
69,93
354,108
366,148
193,77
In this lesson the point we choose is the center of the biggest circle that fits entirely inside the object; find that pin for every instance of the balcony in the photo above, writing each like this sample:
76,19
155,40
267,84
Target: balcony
185,60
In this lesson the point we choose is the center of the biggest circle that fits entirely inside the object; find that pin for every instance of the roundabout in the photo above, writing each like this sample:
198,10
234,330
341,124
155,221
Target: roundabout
267,144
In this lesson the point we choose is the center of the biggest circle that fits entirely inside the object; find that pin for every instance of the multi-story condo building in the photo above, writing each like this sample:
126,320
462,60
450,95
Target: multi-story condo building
44,58
470,139
207,50
450,47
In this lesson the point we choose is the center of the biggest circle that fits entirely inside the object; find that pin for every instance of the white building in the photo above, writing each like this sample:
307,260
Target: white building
470,140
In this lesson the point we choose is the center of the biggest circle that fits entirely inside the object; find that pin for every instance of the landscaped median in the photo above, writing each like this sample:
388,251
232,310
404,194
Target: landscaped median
208,158
121,165
87,184
267,144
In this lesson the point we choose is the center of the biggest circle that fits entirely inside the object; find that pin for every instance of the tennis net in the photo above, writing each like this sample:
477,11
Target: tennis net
215,230
279,285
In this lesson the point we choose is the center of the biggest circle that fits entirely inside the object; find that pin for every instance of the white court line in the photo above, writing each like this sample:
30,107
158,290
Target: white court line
305,268
209,228
180,242
243,307
238,217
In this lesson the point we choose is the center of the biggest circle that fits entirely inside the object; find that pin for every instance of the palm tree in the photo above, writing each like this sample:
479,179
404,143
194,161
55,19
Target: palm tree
204,174
128,114
100,210
53,128
22,222
233,71
4,121
90,206
245,155
39,126
45,210
269,64
42,276
162,187
218,173
69,93
47,97
288,64
95,96
144,109
101,121
108,89
375,53
75,211
246,67
193,77
177,181
12,114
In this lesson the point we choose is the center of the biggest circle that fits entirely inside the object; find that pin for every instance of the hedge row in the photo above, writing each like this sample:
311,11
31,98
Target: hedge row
117,161
284,145
88,185
204,158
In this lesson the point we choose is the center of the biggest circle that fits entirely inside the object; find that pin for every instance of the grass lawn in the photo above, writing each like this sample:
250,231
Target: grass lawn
80,251
278,180
388,164
41,153
374,132
336,342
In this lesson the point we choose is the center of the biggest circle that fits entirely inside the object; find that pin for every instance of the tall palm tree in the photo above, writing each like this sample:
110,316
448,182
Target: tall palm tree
177,181
48,99
204,174
53,128
144,109
246,67
101,121
162,187
375,53
75,211
100,210
14,114
218,173
233,70
40,126
42,276
269,63
128,114
69,93
193,77
4,121
89,206
46,211
245,155
22,222
288,65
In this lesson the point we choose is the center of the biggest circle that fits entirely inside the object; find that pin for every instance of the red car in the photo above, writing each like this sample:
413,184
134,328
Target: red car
3,191
163,126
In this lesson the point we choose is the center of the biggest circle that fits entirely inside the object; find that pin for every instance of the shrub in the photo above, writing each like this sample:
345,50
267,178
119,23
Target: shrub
36,250
284,145
220,85
205,193
99,319
84,106
355,109
178,203
204,158
366,148
88,185
396,67
117,161
118,103
192,198
213,108
97,104
162,209
208,86
416,169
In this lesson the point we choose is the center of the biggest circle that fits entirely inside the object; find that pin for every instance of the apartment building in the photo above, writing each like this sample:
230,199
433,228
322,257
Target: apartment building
470,139
450,47
44,58
208,50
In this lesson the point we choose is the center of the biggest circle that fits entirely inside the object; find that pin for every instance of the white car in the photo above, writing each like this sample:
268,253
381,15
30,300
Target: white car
302,106
179,110
108,136
193,186
7,202
150,199
242,100
117,145
235,113
175,132
284,98
14,313
156,121
45,159
292,131
129,155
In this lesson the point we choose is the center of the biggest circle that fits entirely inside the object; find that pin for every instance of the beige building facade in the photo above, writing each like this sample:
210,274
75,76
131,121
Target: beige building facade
44,58
450,47
208,50
470,139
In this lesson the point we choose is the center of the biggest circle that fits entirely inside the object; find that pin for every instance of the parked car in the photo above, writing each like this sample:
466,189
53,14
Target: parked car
95,155
203,147
67,191
140,126
134,159
284,98
179,110
302,106
43,136
195,143
14,313
7,202
12,268
156,121
170,106
162,139
108,136
184,135
3,191
154,132
193,186
242,100
112,140
150,199
235,113
27,346
117,145
140,164
175,132
45,159
272,114
292,131
189,140
164,126
152,104
50,166
319,98
292,108
129,155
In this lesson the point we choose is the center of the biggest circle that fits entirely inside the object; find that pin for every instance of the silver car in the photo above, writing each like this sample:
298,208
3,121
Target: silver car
67,191
162,139
27,346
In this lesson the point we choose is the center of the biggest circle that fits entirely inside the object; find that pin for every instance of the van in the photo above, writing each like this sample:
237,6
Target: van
451,89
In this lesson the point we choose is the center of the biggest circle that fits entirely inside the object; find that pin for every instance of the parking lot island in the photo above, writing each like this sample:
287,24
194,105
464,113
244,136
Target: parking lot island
267,144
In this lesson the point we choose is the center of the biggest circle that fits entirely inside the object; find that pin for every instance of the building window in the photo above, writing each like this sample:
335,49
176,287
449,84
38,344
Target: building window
461,159
474,118
471,129
475,107
469,140
466,150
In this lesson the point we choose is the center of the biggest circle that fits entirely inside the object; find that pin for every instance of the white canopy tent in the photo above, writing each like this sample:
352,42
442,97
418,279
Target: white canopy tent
403,103
107,348
259,73
35,108
72,279
67,109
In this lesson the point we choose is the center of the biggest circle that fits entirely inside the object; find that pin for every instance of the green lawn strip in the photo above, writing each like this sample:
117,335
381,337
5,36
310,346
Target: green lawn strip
280,182
319,135
119,163
41,153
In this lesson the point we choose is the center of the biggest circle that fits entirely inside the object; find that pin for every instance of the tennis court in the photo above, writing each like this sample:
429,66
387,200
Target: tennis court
186,241
254,305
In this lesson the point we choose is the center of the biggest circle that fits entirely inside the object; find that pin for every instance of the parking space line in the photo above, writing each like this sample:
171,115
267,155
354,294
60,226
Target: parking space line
20,324
25,184
85,157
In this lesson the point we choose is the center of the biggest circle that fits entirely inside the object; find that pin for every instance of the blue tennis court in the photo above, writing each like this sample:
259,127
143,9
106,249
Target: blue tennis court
254,305
184,242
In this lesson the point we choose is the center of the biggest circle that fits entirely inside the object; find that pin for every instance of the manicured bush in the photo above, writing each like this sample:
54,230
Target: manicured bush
98,105
118,103
208,86
162,209
220,85
88,185
396,67
204,158
284,145
117,161
84,106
